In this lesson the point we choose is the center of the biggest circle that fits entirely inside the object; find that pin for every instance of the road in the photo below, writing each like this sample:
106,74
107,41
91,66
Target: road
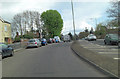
55,60
99,47
101,42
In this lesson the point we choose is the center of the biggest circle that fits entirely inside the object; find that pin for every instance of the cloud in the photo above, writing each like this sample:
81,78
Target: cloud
83,10
79,27
55,0
15,7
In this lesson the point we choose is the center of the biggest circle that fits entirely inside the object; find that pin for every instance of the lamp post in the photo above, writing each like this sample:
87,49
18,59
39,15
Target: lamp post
73,19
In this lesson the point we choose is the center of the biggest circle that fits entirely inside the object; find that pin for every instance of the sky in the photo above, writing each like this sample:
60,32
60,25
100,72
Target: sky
86,12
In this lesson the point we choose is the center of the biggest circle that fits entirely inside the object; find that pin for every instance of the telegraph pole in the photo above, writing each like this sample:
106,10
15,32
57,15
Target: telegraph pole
73,19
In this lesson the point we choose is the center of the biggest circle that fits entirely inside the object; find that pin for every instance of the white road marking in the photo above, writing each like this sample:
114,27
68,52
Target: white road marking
116,58
108,52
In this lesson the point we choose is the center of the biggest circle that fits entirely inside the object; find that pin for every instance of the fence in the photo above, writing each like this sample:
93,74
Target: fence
18,45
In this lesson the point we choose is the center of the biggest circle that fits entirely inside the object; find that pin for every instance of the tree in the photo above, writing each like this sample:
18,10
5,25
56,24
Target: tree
91,31
100,31
114,13
26,21
86,30
52,21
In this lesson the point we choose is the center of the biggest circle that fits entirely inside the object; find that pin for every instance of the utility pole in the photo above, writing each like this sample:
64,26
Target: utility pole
73,20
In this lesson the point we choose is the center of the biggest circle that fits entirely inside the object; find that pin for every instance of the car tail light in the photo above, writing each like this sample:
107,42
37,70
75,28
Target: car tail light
35,42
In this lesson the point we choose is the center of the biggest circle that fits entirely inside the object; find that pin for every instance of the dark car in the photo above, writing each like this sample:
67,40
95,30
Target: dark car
111,39
6,50
119,44
49,40
53,40
43,42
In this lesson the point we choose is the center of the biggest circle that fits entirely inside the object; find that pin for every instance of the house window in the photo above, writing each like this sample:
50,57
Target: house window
5,28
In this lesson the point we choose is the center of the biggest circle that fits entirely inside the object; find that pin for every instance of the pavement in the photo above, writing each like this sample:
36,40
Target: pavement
105,57
0,69
54,60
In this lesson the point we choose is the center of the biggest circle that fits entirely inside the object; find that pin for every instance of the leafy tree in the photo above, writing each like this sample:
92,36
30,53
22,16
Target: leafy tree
100,31
71,36
52,21
83,34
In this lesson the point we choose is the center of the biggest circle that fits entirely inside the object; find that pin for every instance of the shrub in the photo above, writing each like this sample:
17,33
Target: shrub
17,39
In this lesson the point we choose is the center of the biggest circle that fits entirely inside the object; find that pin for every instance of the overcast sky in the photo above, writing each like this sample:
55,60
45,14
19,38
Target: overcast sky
84,10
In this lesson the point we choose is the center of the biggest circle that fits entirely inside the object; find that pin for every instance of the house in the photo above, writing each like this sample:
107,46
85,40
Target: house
5,31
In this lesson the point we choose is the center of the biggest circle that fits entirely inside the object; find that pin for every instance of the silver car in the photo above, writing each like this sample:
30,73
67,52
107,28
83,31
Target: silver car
91,37
33,43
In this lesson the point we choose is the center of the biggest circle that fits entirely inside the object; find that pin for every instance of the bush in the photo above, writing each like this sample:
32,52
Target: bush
17,39
27,36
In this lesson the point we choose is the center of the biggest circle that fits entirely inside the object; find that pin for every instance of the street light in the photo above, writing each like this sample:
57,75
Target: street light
73,18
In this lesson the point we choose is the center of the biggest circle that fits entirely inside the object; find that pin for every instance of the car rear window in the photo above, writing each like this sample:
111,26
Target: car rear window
114,35
31,40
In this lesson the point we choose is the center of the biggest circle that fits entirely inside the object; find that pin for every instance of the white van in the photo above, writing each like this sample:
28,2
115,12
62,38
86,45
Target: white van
57,39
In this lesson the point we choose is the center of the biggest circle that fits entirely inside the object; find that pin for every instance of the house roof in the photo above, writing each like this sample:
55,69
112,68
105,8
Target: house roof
1,19
7,22
4,21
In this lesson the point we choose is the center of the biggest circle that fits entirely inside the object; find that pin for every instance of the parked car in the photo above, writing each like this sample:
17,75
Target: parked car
91,37
119,44
86,38
0,56
6,50
49,40
33,43
53,40
111,39
57,39
44,41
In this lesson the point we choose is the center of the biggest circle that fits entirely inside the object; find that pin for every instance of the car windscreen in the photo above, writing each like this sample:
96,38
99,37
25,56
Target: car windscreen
43,39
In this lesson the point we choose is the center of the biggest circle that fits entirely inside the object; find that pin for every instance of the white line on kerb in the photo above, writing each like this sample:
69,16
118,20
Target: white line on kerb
116,58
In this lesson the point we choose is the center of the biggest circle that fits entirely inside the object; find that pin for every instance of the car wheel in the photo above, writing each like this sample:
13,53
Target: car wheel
26,48
118,45
12,53
37,46
110,43
105,42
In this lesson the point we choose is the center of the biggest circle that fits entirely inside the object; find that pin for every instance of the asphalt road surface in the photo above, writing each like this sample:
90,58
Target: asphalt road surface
55,60
99,47
101,42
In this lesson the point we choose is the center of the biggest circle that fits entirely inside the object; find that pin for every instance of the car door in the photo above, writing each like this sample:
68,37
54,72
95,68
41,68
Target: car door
38,42
4,50
107,39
